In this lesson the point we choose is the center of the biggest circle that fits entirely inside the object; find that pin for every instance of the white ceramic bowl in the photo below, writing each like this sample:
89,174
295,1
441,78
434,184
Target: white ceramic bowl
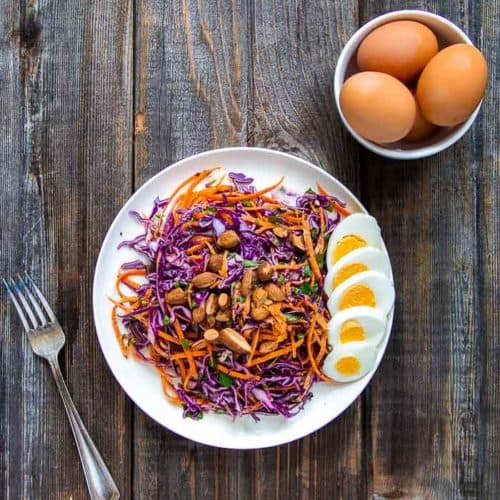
447,34
142,383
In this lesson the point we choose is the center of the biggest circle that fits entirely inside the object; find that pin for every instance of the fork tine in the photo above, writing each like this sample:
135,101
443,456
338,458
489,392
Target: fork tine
18,307
34,303
42,299
19,290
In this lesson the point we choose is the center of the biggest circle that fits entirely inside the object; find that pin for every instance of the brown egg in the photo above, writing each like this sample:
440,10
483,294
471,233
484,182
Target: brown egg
452,85
400,49
377,106
421,128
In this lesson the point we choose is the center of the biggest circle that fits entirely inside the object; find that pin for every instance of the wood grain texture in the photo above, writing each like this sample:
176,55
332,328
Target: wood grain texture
67,124
191,94
96,97
294,49
427,406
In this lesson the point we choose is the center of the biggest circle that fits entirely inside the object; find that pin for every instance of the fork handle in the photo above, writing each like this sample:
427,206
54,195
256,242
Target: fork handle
99,481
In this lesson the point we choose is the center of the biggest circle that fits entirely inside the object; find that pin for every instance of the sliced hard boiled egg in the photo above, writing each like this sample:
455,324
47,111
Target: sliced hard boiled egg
357,324
357,261
350,361
355,231
368,288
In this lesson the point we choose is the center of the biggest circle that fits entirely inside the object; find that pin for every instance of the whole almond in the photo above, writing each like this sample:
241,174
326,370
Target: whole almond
204,280
246,282
198,315
177,296
211,335
268,346
228,239
234,340
259,313
298,242
259,296
275,293
215,263
211,306
223,316
280,232
224,301
265,271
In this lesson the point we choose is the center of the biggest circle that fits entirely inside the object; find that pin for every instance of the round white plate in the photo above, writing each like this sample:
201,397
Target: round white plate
141,382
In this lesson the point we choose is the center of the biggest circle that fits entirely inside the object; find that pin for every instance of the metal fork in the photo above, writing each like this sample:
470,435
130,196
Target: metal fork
47,339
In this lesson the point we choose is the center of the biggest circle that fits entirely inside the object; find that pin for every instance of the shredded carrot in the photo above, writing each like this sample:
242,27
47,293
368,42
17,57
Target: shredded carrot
274,354
310,251
235,374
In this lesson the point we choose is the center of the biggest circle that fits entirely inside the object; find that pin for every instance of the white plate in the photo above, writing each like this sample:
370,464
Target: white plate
141,382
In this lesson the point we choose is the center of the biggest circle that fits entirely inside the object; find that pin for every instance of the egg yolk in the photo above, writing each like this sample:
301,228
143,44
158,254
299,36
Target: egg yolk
357,295
348,365
347,272
347,244
351,331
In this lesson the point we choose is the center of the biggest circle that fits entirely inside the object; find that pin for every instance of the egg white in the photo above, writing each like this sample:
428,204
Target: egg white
372,320
379,284
364,352
362,225
373,258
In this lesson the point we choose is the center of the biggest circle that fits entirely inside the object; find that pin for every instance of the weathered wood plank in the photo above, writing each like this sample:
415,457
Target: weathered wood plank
295,48
191,91
427,401
486,148
67,154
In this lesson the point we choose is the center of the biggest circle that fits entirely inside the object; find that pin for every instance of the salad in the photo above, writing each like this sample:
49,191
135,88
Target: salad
226,300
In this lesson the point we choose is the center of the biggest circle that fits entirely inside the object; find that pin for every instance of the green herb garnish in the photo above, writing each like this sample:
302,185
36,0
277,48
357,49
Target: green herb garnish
250,264
330,207
225,380
240,299
275,220
281,279
320,257
211,210
292,317
211,183
314,233
212,363
300,335
246,203
306,271
307,289
186,343
310,191
166,320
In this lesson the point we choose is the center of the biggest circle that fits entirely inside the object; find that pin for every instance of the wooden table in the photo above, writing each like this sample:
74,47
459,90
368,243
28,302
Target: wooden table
96,97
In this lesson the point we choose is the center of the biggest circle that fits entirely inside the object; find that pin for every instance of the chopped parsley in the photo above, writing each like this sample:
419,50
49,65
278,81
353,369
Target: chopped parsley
281,279
314,233
307,289
292,317
250,264
275,220
310,191
320,257
330,207
307,271
211,210
246,203
181,284
186,343
240,299
300,335
211,183
225,380
166,320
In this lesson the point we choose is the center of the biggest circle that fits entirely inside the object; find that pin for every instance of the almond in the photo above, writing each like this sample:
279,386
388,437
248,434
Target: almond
204,280
211,320
280,232
298,242
211,306
275,293
211,335
224,301
246,282
259,313
198,314
265,271
177,296
268,346
223,316
228,239
215,263
234,340
199,344
259,296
